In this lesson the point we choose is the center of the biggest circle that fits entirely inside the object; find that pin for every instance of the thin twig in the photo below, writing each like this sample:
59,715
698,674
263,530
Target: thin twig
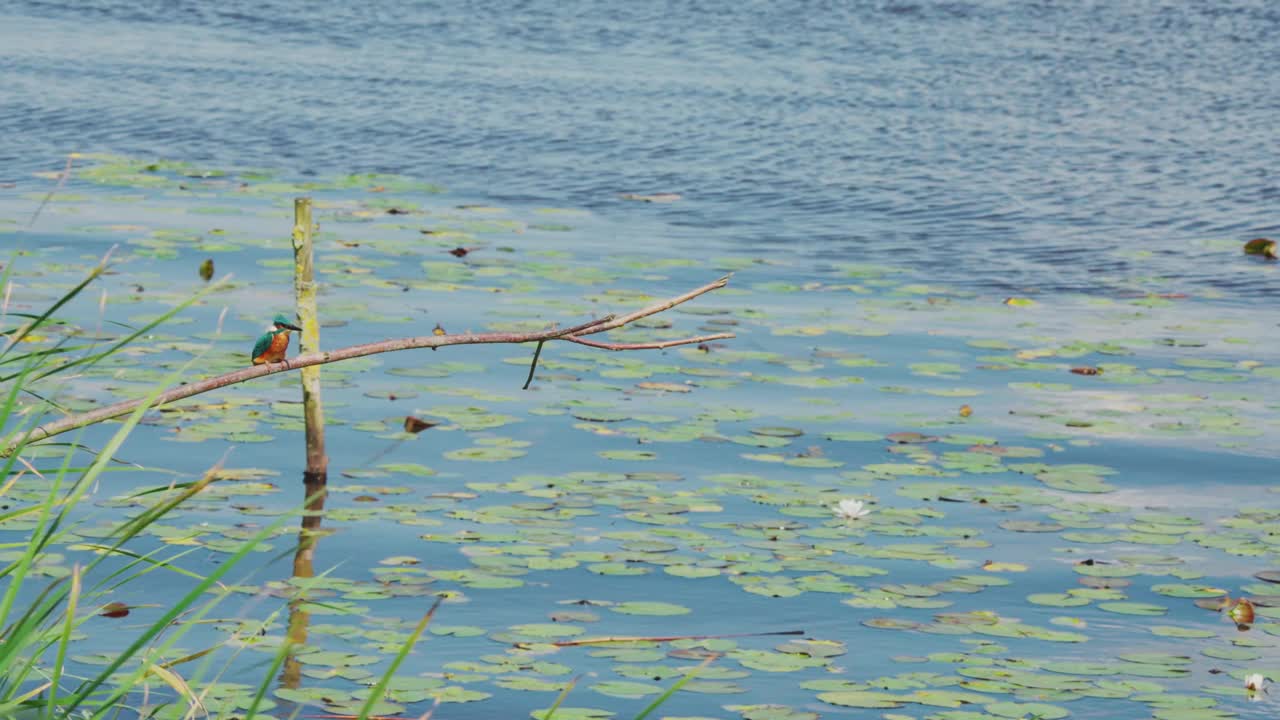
533,365
654,309
579,329
298,362
668,638
355,717
645,346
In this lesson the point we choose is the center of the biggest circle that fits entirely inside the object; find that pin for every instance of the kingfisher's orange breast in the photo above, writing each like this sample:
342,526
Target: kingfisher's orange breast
276,351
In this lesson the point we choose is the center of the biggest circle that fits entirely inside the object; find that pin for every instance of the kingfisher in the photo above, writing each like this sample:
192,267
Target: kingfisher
274,343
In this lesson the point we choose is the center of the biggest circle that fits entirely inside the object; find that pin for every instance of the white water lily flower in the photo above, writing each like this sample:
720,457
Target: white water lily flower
850,509
1255,682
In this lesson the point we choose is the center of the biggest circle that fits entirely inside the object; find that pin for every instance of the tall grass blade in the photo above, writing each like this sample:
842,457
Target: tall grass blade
22,332
675,687
126,340
179,607
22,568
551,711
286,649
385,680
175,681
59,662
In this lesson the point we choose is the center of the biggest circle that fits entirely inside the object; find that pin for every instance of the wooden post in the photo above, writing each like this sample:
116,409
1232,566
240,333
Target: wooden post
305,289
316,476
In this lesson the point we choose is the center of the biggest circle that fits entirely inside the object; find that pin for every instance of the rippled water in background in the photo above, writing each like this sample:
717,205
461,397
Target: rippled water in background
1056,151
1050,146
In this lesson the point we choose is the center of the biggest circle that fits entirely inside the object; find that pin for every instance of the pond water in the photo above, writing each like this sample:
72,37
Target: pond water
937,216
1004,144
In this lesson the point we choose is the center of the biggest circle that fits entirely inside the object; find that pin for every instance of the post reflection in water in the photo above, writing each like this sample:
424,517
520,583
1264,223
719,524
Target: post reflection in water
303,567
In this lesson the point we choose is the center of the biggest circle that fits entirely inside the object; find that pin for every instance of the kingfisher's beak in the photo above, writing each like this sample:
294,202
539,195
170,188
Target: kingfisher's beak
290,326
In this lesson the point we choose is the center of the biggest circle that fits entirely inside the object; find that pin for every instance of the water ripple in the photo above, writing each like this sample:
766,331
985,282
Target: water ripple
1061,147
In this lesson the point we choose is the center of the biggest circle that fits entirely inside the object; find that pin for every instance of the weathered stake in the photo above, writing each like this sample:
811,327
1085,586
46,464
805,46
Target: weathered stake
309,340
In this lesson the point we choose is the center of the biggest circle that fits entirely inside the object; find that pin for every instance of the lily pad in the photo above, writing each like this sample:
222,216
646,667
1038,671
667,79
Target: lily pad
649,608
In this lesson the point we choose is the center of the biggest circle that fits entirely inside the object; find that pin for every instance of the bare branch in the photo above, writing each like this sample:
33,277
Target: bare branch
666,638
649,345
180,392
654,309
578,329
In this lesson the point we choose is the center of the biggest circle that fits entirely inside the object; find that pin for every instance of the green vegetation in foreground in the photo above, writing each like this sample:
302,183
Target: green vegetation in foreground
45,612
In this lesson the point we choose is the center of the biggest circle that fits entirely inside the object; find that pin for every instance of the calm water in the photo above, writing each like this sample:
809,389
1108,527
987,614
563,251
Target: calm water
1082,146
1084,154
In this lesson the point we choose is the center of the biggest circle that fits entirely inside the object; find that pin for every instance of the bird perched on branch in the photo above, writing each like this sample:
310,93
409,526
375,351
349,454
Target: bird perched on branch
274,343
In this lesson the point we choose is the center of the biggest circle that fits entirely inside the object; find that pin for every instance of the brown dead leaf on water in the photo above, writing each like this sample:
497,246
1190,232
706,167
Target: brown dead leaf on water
114,610
416,425
1262,246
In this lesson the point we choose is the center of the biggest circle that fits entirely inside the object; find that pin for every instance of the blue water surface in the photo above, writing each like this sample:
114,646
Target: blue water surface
1006,144
1077,153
